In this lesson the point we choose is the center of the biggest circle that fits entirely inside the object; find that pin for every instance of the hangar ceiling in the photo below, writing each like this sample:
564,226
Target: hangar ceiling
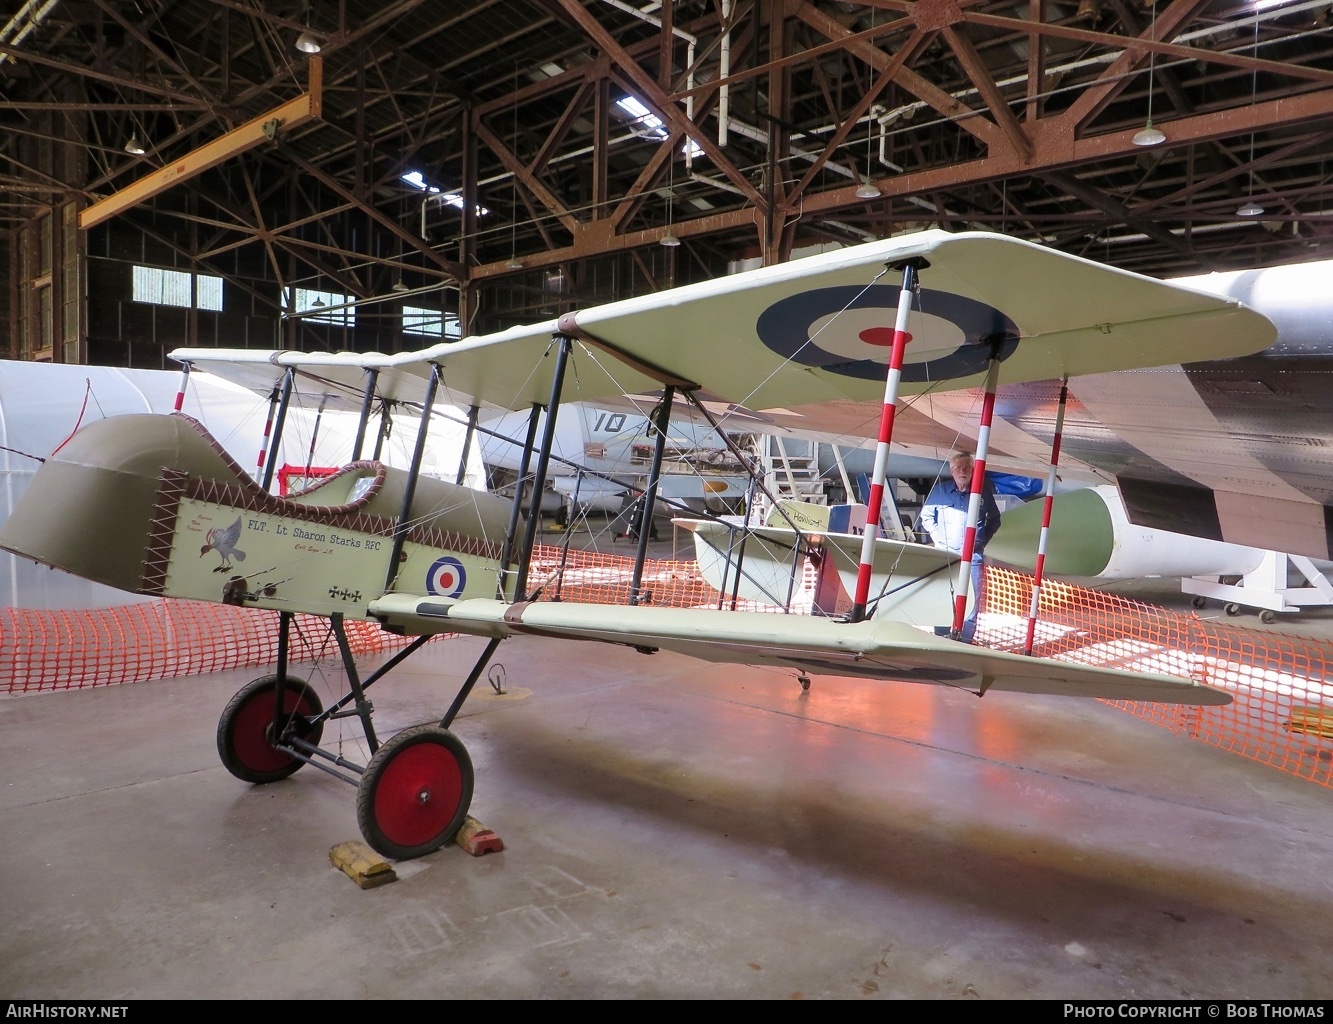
758,123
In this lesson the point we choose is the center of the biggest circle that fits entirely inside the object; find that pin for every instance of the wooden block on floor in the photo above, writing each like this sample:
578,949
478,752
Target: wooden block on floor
362,865
477,839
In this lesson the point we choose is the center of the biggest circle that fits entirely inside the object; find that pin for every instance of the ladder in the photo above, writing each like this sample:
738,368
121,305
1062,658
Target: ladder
791,468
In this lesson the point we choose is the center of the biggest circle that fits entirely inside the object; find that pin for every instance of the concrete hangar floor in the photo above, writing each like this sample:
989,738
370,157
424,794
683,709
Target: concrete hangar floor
671,829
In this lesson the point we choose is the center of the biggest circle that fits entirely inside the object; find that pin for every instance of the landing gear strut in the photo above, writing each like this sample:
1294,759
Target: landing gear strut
412,795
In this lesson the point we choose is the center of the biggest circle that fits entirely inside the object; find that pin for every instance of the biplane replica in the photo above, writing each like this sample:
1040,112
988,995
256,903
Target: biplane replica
152,504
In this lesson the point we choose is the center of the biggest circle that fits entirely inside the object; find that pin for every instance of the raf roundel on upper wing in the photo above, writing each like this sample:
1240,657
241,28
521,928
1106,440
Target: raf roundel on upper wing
849,330
446,578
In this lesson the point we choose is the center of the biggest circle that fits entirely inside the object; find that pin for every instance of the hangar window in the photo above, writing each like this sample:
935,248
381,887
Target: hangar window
431,323
433,193
651,125
177,288
320,307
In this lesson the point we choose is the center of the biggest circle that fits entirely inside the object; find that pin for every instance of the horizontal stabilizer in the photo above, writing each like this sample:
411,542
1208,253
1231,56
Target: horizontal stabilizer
909,582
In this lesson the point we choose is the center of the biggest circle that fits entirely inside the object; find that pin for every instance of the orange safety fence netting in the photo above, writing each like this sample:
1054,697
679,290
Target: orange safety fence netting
70,649
1282,708
1281,715
595,578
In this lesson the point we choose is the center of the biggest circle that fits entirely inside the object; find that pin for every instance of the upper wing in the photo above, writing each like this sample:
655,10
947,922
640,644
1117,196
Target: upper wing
816,330
874,649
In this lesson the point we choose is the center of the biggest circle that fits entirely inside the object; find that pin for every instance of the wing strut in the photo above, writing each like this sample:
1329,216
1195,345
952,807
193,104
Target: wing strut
773,502
314,434
284,400
1038,569
410,487
180,391
875,502
974,500
649,498
507,551
467,443
384,430
367,397
563,346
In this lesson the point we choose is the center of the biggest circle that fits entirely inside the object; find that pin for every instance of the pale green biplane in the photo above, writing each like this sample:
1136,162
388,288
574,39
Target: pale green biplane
830,343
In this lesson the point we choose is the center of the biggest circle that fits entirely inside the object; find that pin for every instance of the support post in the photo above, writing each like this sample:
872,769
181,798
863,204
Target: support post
1040,568
662,424
875,501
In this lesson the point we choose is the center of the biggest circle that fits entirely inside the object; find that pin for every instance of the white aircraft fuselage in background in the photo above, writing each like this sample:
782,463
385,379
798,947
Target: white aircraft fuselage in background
1237,450
614,449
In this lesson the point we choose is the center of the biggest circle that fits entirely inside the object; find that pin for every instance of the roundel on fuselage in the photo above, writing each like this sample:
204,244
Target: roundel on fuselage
446,577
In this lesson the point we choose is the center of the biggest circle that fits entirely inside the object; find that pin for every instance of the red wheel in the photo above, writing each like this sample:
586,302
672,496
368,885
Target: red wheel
246,729
415,792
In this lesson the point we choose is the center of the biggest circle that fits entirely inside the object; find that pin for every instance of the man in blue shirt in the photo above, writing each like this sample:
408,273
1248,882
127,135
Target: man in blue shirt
944,518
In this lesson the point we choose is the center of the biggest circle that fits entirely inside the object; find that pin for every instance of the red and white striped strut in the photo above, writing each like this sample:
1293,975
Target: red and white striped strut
180,391
268,433
1040,567
974,501
876,499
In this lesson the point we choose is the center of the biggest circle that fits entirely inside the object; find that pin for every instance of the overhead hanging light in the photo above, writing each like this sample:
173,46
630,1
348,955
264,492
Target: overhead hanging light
398,286
134,146
1250,208
669,239
1088,10
1148,135
514,263
868,189
307,41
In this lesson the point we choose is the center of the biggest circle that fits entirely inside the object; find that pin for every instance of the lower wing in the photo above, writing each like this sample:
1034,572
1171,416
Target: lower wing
873,649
